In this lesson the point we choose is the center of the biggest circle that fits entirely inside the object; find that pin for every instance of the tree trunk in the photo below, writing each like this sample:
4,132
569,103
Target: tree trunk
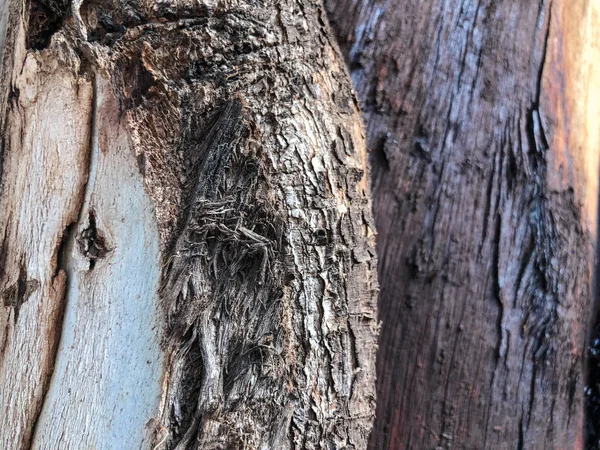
186,246
482,124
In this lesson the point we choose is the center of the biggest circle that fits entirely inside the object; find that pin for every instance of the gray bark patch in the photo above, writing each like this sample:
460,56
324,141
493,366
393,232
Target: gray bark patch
224,276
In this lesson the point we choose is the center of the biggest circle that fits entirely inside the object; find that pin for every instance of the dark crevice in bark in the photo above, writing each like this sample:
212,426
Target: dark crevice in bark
538,87
520,443
575,374
140,81
378,155
91,241
45,18
2,153
4,250
496,270
61,251
15,295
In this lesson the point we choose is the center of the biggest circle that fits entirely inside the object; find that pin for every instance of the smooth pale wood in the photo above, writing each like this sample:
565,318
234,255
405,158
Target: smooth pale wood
107,380
107,373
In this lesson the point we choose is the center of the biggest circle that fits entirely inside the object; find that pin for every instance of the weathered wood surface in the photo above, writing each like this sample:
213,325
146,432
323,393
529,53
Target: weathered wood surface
482,124
186,246
109,365
43,182
3,23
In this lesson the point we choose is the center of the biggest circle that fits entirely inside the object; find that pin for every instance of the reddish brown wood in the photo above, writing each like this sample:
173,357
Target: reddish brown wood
484,204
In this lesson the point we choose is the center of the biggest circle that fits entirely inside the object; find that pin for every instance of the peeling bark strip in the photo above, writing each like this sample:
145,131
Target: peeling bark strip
185,229
482,120
222,288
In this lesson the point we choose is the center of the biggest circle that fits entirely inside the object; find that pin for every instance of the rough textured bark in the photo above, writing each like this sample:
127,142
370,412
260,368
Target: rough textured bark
186,246
482,124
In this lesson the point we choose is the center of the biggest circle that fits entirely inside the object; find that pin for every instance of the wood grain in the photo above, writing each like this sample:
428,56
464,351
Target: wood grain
43,180
481,120
108,372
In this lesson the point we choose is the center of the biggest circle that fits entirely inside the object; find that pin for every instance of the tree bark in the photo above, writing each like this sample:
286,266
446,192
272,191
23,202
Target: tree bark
482,124
186,243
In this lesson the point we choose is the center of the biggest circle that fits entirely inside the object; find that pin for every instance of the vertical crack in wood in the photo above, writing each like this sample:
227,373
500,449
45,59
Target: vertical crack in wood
66,247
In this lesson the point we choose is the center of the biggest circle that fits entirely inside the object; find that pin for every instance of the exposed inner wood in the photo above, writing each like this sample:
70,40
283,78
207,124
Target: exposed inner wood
43,180
109,365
